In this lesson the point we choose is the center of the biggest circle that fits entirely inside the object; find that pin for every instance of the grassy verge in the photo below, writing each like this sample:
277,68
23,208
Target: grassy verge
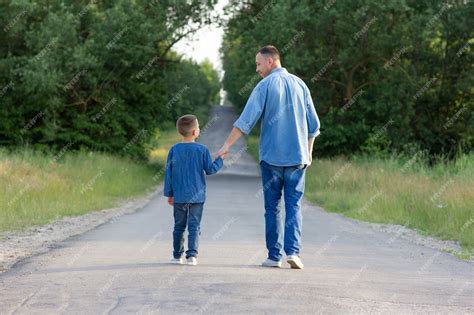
39,188
161,144
252,146
436,201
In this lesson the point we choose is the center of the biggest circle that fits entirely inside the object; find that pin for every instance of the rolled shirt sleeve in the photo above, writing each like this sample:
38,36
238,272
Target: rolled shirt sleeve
312,118
253,109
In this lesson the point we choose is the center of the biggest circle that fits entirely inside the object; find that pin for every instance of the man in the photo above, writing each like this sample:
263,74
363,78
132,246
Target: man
288,129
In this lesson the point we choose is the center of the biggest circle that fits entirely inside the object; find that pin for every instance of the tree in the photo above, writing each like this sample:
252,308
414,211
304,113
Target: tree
97,74
384,76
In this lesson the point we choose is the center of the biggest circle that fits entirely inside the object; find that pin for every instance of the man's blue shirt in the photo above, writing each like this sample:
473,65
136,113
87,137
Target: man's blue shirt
284,103
185,167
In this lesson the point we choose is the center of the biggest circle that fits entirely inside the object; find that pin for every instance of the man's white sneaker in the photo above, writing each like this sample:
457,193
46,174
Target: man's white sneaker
295,262
271,263
192,261
177,261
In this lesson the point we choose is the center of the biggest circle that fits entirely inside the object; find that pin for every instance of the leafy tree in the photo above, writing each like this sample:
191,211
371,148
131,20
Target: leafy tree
385,76
98,74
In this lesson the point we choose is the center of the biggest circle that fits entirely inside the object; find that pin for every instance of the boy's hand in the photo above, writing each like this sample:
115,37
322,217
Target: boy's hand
219,154
224,151
171,201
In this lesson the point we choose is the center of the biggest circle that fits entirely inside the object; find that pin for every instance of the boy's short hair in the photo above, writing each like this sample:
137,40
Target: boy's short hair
186,124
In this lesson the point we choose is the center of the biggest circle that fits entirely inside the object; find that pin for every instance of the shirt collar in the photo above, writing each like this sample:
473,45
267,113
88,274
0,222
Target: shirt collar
277,70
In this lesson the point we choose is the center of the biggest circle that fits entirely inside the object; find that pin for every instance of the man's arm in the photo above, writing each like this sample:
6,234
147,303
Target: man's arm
310,147
247,120
234,135
313,124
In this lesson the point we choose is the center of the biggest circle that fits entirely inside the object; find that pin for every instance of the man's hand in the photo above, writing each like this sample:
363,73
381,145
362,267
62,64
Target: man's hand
224,151
234,135
171,201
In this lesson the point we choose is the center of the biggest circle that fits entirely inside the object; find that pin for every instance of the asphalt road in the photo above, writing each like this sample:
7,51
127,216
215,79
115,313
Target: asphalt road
122,266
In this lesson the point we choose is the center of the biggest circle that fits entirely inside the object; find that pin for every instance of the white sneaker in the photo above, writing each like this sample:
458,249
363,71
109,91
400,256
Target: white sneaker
177,261
295,262
271,263
192,261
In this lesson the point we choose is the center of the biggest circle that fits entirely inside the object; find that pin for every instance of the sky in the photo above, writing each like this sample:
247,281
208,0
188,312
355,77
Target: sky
205,43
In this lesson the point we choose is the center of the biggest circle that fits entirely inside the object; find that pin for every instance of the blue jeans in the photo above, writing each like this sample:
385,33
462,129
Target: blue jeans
291,180
187,214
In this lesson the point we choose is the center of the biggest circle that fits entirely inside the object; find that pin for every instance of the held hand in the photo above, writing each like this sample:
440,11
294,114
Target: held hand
171,201
224,151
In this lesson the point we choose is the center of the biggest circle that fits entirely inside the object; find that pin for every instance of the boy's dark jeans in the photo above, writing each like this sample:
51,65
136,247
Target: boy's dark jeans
187,214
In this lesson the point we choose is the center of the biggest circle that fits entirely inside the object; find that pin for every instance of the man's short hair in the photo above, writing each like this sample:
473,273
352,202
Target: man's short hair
186,124
269,51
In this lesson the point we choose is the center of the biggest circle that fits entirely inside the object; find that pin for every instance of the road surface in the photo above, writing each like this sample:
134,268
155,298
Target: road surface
122,266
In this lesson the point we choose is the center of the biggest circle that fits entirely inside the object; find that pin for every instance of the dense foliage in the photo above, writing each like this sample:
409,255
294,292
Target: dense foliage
98,73
385,76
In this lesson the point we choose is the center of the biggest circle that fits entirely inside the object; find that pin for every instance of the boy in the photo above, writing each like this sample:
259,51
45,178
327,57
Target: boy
185,187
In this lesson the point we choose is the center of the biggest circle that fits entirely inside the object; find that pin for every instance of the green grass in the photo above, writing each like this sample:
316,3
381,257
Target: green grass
37,189
160,145
436,201
252,146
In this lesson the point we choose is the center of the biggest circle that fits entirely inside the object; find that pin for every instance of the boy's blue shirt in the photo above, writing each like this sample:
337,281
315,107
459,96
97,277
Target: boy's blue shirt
185,168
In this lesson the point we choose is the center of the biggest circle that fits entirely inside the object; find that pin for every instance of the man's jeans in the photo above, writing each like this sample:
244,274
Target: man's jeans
291,179
187,214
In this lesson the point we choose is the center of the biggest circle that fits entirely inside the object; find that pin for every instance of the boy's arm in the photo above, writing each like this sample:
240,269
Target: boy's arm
212,167
167,187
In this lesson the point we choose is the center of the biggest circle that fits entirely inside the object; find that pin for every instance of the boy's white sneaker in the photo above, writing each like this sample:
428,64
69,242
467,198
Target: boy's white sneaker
271,263
192,261
295,262
177,261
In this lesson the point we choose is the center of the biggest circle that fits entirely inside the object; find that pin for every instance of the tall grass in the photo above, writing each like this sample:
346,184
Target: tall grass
438,201
37,188
161,144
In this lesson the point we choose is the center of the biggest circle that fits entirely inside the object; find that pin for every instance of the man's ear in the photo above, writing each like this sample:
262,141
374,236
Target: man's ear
270,61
